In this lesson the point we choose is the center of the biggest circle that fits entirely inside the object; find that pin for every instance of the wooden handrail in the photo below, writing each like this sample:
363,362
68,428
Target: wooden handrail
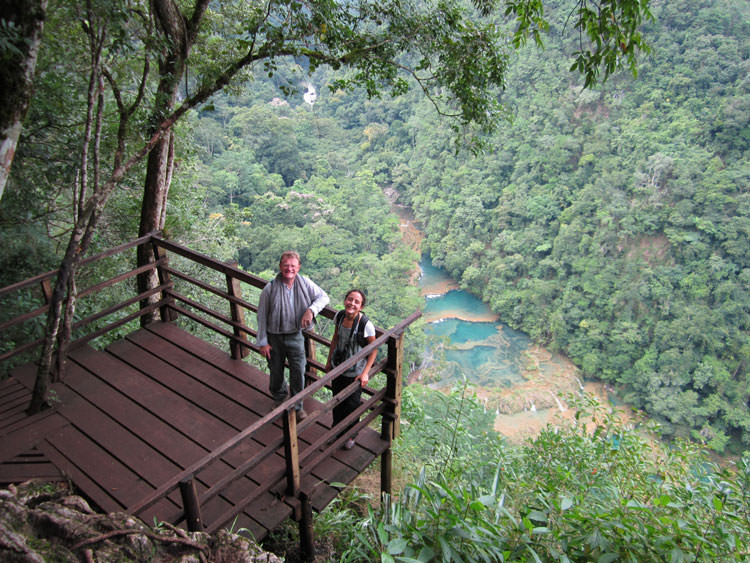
288,404
384,402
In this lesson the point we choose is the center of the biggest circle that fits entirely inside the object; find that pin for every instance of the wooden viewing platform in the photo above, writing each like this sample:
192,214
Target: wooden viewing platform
166,425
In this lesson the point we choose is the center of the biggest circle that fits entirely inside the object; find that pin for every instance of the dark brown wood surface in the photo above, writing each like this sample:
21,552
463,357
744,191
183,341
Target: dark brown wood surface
128,419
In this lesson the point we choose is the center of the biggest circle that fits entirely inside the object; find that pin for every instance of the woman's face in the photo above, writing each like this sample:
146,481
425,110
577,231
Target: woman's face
353,303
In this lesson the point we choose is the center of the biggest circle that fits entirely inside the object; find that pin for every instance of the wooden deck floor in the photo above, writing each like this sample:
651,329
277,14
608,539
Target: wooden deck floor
131,417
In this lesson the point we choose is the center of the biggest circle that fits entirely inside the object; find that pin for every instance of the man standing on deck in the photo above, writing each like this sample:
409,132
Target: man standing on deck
287,304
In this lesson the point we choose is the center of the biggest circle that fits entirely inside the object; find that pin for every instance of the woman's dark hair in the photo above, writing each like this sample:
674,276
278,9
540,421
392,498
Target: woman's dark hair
362,293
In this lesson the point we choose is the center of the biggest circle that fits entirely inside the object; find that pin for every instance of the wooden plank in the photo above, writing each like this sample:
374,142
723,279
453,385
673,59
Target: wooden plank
30,433
265,508
329,471
162,402
14,398
164,409
360,456
270,511
218,380
195,391
97,495
12,394
190,384
177,353
30,464
147,462
181,450
12,420
218,359
111,484
343,466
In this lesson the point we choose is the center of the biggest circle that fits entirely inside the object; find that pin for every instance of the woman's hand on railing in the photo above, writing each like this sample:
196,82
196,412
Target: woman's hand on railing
364,377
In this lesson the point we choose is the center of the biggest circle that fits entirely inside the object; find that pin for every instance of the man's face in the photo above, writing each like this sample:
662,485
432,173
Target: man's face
289,268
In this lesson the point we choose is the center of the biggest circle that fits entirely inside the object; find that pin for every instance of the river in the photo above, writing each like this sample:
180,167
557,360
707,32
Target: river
524,384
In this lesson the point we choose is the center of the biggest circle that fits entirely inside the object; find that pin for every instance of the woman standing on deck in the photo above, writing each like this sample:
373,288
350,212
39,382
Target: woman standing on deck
353,331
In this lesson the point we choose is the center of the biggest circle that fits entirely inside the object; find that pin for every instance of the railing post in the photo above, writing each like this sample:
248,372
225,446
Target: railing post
238,316
306,537
46,291
309,355
160,254
393,387
291,453
386,469
191,506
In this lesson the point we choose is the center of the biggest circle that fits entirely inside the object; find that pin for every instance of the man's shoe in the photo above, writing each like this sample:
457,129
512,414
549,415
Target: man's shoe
301,415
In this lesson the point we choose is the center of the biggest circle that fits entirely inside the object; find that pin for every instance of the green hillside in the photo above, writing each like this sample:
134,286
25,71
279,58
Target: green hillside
609,223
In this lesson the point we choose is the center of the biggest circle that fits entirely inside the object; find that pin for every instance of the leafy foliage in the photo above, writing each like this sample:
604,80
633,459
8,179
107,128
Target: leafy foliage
595,491
611,223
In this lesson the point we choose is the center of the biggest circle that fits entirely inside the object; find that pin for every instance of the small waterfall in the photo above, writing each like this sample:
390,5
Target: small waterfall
580,385
310,95
559,403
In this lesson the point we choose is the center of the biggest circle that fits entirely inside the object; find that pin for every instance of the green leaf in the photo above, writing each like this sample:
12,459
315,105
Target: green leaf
426,554
537,516
397,546
477,506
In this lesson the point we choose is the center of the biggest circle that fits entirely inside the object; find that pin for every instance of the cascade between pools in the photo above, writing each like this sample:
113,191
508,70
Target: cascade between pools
523,383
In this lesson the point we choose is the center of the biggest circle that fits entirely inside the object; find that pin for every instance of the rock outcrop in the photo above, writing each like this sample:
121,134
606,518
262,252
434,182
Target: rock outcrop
46,522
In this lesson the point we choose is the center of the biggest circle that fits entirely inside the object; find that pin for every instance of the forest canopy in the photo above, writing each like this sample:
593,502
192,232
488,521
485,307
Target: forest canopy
611,222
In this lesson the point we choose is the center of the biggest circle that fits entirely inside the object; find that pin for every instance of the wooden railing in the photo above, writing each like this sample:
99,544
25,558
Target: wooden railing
22,334
198,298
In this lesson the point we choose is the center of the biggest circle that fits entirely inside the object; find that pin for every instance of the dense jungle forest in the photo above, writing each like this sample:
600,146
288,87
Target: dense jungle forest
610,223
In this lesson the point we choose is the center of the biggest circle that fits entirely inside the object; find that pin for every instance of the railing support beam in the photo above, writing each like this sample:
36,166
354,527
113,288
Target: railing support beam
306,537
161,259
191,505
291,453
393,386
238,315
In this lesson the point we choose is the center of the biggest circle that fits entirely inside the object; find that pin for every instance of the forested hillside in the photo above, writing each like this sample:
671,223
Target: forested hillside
614,223
610,223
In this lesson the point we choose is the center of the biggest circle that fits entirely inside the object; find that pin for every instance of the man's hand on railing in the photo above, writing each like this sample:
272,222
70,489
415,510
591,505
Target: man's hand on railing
364,377
307,319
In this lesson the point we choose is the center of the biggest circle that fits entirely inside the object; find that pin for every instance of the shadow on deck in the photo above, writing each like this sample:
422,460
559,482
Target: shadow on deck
164,425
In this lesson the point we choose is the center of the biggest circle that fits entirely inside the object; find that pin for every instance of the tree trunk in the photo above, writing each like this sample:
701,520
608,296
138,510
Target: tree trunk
181,33
17,66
